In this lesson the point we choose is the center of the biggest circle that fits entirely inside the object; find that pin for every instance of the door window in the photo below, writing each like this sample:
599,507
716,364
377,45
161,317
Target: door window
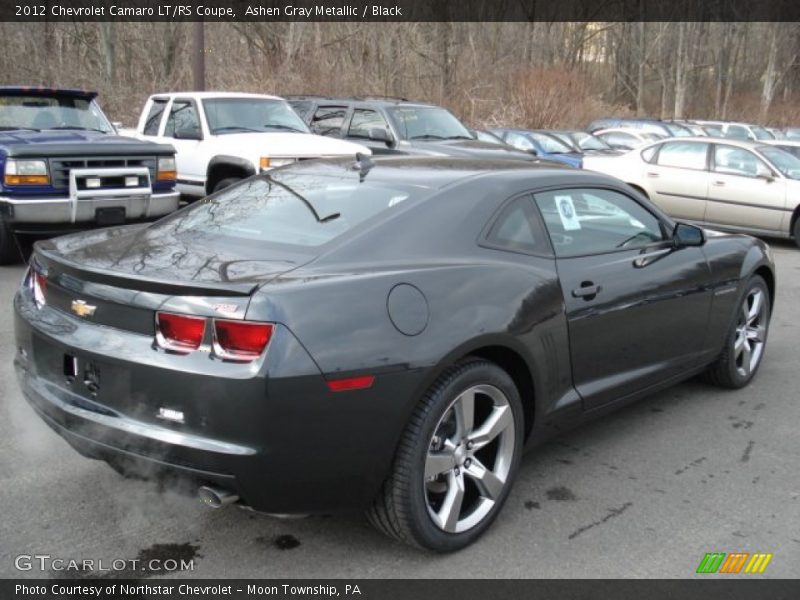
328,120
738,132
595,221
182,117
518,229
684,155
731,160
364,120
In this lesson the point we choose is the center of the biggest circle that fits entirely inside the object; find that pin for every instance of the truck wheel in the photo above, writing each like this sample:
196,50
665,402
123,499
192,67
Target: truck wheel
797,231
9,252
227,182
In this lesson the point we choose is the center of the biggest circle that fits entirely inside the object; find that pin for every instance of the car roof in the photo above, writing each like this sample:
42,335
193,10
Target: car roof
372,100
208,95
21,90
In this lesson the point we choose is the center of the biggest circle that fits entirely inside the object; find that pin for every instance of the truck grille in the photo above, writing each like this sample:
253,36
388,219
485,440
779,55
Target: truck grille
60,167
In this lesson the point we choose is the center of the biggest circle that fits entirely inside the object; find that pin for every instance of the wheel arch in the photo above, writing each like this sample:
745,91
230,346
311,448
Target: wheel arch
222,166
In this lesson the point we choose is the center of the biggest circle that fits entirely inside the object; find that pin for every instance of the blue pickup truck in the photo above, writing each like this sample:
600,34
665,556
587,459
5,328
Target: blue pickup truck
64,168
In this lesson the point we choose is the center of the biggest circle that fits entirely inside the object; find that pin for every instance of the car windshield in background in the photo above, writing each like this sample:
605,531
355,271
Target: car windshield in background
427,123
651,137
786,163
590,142
678,130
761,133
39,112
237,115
285,207
550,144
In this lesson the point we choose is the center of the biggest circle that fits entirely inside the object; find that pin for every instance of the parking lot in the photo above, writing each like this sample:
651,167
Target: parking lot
645,492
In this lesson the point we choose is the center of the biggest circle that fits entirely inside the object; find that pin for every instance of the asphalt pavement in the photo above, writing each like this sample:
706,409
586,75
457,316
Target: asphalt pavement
645,492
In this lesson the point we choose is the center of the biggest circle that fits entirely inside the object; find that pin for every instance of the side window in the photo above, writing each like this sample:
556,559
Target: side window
684,155
517,228
519,141
737,132
596,221
301,107
731,160
364,120
328,120
182,117
154,117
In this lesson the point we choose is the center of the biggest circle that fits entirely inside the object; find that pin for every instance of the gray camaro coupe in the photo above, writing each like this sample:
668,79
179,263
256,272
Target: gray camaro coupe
382,334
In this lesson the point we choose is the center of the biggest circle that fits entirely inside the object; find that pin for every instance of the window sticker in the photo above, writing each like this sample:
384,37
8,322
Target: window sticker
566,210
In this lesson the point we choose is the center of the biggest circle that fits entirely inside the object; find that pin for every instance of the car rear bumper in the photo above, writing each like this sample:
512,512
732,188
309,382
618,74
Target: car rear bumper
276,437
68,210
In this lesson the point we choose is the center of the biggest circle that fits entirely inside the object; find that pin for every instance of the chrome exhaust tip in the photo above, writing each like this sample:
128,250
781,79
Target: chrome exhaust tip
216,497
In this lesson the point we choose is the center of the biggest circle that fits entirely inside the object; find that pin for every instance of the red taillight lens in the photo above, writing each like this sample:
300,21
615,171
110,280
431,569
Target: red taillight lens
39,287
179,333
351,383
240,340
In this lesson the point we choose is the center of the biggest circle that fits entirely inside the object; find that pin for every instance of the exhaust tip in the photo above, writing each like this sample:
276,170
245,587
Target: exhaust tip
215,497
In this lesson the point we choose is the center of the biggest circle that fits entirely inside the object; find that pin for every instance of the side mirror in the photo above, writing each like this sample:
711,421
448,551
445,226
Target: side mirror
188,133
764,172
687,235
379,134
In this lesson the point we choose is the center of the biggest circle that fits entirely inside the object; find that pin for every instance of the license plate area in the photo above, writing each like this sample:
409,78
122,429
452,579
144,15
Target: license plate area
106,217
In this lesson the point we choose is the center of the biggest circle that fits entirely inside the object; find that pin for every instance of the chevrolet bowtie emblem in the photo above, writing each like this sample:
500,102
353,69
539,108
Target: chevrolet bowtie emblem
80,308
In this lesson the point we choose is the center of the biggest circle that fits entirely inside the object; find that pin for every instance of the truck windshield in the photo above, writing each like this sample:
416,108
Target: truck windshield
427,123
237,115
40,112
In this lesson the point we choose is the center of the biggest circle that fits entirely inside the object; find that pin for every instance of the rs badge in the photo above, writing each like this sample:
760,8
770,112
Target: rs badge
80,308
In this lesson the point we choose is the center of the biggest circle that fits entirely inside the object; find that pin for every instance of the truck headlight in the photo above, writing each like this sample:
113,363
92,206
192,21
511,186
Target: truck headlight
166,169
270,162
26,172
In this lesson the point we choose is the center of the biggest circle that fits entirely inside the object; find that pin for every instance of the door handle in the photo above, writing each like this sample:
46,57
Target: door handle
587,291
718,183
652,175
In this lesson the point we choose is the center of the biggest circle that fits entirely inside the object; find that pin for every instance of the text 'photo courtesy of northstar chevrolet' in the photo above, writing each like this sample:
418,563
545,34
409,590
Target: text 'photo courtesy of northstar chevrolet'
382,334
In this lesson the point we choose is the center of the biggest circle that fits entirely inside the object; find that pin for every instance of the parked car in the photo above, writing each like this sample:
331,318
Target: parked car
583,142
739,131
791,133
690,128
222,137
397,126
543,145
727,184
484,135
662,128
65,168
627,139
776,133
790,146
471,308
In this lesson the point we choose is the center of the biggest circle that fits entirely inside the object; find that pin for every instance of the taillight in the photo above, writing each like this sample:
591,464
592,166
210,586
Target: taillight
179,333
39,287
240,340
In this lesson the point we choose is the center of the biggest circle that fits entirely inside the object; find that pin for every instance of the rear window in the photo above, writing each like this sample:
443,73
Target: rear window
289,207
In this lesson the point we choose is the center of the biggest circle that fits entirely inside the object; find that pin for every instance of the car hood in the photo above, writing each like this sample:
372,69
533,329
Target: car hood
467,149
151,259
61,136
282,143
67,142
574,159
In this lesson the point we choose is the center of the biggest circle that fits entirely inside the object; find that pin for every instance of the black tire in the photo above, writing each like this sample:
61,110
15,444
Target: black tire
401,508
9,251
729,369
796,231
223,183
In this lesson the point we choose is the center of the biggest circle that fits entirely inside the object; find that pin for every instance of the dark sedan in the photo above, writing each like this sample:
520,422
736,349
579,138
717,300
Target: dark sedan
383,335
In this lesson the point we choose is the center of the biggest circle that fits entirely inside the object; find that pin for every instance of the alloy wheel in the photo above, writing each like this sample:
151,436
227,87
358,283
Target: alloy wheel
751,332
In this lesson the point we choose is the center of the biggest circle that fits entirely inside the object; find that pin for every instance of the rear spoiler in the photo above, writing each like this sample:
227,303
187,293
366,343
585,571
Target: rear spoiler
48,262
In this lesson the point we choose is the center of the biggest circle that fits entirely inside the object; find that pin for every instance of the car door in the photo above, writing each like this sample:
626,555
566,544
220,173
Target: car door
328,119
744,192
361,123
636,306
677,178
183,129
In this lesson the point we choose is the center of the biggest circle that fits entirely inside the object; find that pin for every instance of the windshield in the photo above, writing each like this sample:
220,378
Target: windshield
761,133
678,130
235,115
427,123
589,142
286,207
651,137
549,144
485,136
787,164
51,112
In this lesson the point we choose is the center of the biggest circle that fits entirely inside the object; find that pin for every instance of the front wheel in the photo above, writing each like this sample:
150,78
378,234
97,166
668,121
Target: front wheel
746,340
456,460
796,231
9,252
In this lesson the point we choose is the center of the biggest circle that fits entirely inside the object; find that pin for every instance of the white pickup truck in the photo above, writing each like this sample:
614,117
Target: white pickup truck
221,137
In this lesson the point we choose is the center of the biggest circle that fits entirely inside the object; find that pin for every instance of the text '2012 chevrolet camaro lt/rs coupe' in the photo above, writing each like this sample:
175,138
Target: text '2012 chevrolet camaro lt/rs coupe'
381,334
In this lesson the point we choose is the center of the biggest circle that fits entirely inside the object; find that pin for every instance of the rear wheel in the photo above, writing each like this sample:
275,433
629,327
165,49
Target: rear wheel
9,252
796,231
747,338
456,460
